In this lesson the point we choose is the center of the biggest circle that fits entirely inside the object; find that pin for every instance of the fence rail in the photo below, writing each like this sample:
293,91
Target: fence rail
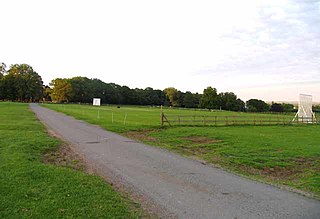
209,120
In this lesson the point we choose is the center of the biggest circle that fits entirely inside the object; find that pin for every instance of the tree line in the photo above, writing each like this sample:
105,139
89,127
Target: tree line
21,83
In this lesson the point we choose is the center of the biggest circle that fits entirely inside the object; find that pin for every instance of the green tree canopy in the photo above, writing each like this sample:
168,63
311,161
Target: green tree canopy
276,107
229,101
287,107
173,95
210,99
191,100
255,105
61,90
81,89
22,83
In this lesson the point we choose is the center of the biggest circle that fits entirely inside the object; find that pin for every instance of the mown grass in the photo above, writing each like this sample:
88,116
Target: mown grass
127,118
288,155
285,155
31,189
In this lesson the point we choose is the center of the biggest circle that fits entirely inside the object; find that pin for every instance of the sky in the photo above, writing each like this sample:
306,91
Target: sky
268,49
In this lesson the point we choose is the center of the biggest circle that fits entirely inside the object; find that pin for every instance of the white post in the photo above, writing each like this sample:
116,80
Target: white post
124,121
98,114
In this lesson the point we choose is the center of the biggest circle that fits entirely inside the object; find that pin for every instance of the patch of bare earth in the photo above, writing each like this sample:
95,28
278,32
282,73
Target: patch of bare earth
141,136
66,157
299,166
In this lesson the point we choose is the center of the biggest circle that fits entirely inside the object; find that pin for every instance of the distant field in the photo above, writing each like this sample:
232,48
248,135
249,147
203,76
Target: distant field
29,188
286,155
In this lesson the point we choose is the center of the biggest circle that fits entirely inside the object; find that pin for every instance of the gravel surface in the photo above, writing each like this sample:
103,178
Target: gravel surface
181,187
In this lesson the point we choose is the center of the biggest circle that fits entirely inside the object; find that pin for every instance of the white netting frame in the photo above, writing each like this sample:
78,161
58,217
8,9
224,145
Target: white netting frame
305,113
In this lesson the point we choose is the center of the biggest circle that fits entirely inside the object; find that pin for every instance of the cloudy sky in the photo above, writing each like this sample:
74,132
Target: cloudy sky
257,49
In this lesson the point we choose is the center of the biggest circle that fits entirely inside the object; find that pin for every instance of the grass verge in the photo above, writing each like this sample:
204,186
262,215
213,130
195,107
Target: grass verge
30,188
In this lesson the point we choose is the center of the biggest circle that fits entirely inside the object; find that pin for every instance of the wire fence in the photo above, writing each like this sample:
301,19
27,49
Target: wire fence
219,120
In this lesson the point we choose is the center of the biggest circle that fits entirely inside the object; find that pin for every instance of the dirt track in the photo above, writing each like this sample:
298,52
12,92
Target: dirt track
181,187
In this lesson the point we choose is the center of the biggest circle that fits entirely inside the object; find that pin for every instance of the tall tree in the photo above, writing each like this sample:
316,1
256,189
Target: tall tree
80,89
61,90
22,83
173,96
210,99
229,101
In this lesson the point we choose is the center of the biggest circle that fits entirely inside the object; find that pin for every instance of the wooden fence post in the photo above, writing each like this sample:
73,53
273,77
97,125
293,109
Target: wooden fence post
161,116
161,119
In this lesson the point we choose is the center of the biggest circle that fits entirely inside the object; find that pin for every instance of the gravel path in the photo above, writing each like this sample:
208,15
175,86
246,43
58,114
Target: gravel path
182,187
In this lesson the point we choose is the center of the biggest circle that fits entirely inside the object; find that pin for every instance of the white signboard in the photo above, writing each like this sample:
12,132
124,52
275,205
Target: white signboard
96,101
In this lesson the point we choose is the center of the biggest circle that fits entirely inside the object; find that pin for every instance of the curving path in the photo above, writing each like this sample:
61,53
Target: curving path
182,187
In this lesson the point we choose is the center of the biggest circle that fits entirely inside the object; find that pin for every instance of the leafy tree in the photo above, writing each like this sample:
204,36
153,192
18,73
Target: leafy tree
62,90
22,83
158,97
112,93
287,107
241,106
255,105
229,101
191,100
210,99
127,95
100,89
47,91
276,107
173,95
8,87
81,91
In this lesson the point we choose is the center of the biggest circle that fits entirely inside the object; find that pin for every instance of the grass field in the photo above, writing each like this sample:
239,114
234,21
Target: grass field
284,155
31,189
134,117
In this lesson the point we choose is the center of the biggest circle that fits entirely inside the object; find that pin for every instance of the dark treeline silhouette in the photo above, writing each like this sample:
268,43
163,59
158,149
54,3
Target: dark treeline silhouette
22,83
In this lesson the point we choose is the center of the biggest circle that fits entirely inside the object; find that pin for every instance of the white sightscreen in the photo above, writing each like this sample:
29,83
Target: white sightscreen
96,101
305,107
